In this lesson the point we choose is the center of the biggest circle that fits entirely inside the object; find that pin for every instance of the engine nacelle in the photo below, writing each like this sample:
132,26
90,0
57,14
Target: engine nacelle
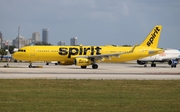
170,62
82,62
173,62
141,62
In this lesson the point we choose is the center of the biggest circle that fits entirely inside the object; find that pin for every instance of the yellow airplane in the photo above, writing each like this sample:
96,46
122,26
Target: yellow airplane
89,55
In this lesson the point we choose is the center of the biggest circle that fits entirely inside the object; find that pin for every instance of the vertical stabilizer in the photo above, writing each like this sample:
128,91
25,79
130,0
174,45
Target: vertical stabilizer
152,39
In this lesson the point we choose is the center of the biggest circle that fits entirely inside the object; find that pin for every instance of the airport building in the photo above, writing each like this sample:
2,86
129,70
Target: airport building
45,35
61,43
73,41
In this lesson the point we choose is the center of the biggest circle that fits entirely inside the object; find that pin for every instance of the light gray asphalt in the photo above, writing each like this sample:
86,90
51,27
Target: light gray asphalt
105,71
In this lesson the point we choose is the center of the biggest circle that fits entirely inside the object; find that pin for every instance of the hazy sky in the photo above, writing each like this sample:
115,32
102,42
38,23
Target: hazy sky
94,22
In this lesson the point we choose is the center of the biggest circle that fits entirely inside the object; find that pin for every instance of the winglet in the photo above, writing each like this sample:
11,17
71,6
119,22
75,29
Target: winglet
152,39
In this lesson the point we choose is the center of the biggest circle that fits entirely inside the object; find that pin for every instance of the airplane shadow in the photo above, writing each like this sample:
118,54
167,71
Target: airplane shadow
85,68
150,67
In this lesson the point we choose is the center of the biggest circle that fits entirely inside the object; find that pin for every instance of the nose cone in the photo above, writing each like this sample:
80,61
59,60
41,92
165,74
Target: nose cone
15,55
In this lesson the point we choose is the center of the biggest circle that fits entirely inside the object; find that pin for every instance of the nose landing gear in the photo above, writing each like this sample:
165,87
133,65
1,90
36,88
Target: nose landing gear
30,66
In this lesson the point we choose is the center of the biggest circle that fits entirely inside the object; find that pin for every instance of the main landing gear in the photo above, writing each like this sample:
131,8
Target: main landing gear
153,65
174,63
94,66
173,66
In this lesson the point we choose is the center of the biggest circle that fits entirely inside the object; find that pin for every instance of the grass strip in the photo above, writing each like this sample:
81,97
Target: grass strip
89,95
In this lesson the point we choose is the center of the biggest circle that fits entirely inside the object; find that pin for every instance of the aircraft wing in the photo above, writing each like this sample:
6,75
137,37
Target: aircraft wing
99,57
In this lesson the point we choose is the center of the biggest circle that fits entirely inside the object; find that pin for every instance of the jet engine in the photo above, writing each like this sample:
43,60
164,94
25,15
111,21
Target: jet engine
82,62
173,62
141,62
170,62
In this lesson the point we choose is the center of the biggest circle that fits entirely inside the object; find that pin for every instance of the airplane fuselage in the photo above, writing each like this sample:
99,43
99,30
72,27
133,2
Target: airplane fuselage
68,53
167,54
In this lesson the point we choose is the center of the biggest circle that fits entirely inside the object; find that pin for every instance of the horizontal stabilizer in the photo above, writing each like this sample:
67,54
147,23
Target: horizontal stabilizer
156,51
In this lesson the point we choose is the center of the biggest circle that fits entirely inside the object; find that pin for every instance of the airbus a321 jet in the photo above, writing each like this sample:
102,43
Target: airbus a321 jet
89,55
171,56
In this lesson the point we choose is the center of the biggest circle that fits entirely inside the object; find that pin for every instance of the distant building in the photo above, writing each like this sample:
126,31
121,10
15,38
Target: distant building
45,35
30,41
61,43
35,37
1,43
6,43
73,41
1,40
21,40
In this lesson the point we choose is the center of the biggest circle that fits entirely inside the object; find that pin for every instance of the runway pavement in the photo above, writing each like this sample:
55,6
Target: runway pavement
105,71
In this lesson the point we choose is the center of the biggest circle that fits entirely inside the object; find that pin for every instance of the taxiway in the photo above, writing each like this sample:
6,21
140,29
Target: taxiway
105,71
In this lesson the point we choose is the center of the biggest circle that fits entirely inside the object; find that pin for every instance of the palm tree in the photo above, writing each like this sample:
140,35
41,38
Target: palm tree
11,49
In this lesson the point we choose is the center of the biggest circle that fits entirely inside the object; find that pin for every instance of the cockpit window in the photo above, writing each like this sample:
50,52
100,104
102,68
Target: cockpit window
21,50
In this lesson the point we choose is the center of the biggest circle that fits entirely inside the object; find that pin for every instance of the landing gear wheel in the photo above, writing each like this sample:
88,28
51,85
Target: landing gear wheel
153,65
94,66
84,67
47,63
173,66
145,65
30,66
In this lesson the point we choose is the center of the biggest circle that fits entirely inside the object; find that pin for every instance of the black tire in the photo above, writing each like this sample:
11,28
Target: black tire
94,66
30,66
152,65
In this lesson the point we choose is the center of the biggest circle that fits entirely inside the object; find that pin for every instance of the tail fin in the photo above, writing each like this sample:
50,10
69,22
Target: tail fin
152,39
